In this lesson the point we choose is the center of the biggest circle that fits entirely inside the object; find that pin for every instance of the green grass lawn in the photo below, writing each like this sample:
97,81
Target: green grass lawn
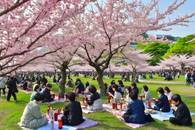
10,112
157,78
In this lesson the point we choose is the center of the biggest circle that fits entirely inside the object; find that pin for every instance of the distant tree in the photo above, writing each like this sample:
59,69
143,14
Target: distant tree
185,45
157,51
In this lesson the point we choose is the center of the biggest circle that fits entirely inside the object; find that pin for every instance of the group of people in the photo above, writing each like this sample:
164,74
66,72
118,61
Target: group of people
190,77
11,83
135,104
45,91
72,113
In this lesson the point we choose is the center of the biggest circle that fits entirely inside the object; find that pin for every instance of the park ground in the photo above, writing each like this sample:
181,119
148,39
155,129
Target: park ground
10,112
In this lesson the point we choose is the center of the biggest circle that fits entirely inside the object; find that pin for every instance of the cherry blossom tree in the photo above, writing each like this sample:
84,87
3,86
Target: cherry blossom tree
23,23
62,58
108,26
136,59
178,61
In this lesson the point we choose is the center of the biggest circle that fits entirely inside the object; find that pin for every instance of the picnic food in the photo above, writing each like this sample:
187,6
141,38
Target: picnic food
150,111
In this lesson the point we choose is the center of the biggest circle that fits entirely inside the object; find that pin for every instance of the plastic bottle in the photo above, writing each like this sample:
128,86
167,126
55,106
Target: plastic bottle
52,123
59,122
48,109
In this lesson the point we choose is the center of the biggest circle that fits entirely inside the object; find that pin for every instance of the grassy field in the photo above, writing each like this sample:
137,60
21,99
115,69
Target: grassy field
11,112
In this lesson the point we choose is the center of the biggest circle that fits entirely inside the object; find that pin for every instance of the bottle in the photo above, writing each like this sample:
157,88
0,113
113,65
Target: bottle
48,109
59,122
59,110
121,105
58,97
55,115
52,123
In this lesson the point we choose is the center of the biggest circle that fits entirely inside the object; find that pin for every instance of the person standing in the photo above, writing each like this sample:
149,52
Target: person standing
12,88
2,85
193,79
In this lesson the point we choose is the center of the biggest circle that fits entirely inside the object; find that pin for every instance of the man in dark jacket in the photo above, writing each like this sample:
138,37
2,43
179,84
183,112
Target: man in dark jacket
47,93
181,112
135,111
134,88
12,88
72,112
162,103
79,87
94,95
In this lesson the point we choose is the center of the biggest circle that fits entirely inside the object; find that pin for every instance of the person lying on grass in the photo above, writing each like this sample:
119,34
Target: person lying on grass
72,111
135,111
180,111
32,117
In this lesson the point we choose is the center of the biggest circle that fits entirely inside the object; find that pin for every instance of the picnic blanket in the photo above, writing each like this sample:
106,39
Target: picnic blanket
164,116
26,91
87,111
86,124
56,100
119,113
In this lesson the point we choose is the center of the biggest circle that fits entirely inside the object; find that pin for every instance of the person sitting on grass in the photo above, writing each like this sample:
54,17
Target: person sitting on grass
32,117
162,103
121,87
135,111
168,93
94,100
72,112
180,111
117,97
35,91
110,88
134,88
128,91
146,94
79,87
47,93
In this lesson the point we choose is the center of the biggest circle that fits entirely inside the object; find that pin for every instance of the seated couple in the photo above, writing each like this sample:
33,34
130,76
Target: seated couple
46,92
33,119
160,104
93,101
115,94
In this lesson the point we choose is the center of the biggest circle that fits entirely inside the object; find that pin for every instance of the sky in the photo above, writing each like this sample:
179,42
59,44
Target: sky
180,31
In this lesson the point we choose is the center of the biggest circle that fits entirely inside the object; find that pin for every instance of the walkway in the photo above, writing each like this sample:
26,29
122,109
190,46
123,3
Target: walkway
162,82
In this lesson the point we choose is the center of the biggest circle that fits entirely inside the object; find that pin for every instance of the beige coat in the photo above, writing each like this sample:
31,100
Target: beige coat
32,117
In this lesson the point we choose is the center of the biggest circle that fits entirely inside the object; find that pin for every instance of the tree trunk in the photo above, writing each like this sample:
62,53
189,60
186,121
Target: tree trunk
128,76
182,68
133,75
62,82
101,83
